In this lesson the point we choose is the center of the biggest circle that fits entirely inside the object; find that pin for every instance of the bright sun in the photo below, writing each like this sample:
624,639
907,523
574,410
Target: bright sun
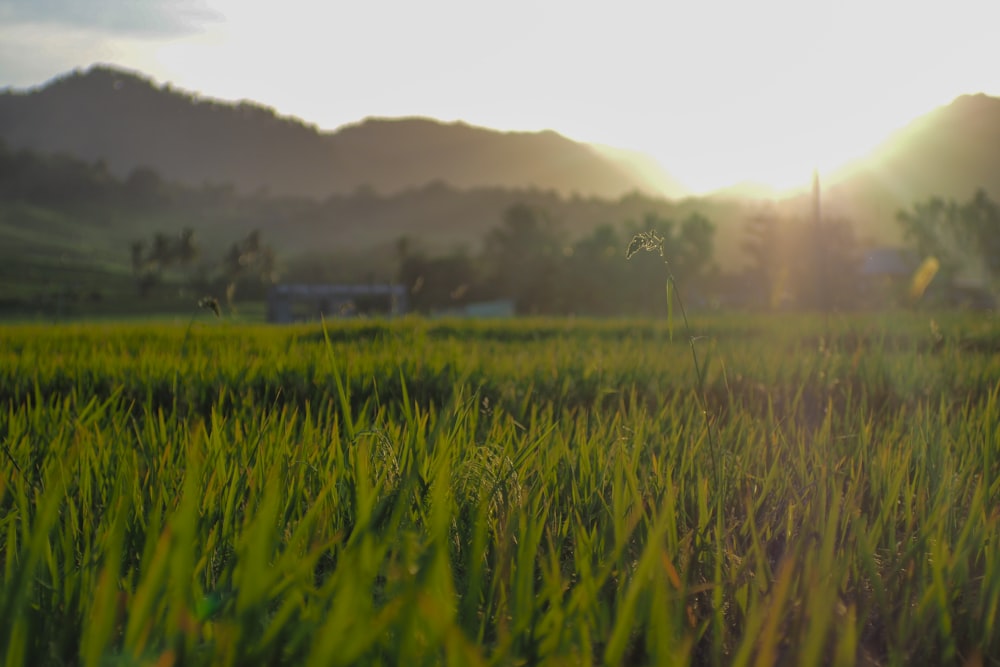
721,94
771,154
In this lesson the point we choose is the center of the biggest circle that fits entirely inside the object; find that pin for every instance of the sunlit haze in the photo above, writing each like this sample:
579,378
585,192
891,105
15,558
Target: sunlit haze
719,92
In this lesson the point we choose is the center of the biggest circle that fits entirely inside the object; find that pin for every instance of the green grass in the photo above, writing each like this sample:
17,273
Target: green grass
479,493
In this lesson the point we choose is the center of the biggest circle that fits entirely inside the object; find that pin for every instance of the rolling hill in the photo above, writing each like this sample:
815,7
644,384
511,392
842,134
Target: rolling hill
949,152
127,121
72,200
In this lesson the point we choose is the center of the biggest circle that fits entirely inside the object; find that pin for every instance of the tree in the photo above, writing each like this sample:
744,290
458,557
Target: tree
762,244
795,263
439,282
150,262
522,256
979,230
249,264
826,263
595,275
145,278
138,256
932,229
957,234
687,248
693,247
186,250
162,251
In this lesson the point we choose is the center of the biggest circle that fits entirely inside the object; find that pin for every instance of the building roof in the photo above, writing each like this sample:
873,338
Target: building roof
328,290
888,262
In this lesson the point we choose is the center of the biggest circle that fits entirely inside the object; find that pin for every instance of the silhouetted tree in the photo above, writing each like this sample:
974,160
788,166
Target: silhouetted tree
162,251
795,263
594,280
138,256
767,271
150,262
693,247
932,228
249,266
144,278
961,235
186,249
522,258
439,283
825,264
688,250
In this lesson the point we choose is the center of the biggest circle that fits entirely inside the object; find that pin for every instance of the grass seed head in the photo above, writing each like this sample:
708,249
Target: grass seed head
211,303
650,241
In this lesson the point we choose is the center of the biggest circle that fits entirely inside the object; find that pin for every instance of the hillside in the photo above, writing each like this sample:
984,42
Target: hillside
68,220
127,121
69,228
949,152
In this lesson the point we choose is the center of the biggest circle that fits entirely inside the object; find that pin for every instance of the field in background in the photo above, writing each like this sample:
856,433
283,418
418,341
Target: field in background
426,492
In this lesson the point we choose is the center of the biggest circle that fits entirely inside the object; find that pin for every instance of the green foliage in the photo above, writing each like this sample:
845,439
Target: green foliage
415,492
438,282
148,265
956,233
528,260
929,227
167,237
523,255
249,265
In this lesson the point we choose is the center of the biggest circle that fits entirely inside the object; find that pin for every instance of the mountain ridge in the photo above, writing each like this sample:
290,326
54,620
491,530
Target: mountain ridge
127,120
945,152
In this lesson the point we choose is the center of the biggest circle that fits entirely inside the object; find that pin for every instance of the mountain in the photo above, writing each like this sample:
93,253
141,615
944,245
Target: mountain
644,169
748,191
73,234
127,121
949,152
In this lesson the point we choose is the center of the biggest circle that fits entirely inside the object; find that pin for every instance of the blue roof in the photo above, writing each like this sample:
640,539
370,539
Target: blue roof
888,262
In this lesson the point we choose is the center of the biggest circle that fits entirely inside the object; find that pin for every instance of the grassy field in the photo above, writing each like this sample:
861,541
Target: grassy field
501,493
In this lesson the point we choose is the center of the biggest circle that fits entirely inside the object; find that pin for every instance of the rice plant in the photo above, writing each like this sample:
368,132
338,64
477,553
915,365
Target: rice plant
523,492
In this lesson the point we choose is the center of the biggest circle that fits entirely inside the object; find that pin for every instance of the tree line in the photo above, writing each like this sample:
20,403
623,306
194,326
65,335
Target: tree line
248,267
528,260
540,256
791,263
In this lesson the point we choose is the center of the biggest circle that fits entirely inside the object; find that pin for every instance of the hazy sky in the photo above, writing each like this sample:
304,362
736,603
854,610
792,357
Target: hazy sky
718,91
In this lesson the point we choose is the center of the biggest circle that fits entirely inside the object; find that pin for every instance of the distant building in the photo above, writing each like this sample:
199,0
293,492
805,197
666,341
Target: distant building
885,275
303,302
891,263
888,272
484,309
